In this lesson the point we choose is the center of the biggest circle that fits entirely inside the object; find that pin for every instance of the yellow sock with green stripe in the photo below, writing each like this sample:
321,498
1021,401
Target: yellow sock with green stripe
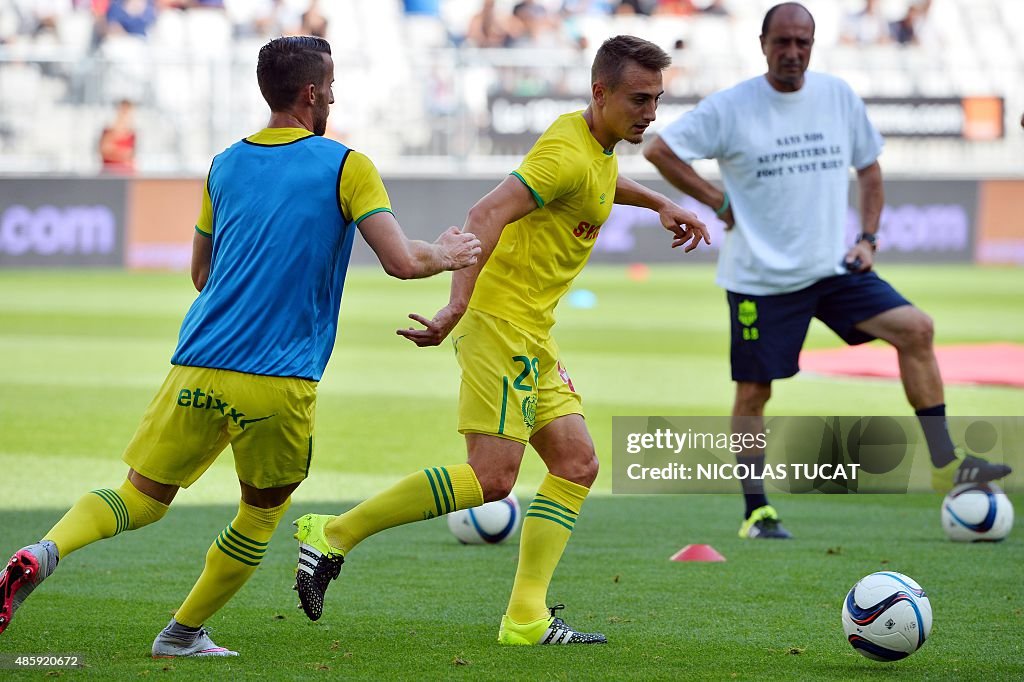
424,495
104,513
547,525
231,560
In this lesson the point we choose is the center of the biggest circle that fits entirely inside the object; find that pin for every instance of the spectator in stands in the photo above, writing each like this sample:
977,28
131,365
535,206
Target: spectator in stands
573,29
907,31
644,7
44,15
532,26
678,8
866,27
117,142
677,70
99,10
264,18
314,23
625,8
134,17
716,8
902,31
487,28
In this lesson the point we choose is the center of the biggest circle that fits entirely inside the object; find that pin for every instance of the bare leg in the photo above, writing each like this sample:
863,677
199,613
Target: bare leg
911,332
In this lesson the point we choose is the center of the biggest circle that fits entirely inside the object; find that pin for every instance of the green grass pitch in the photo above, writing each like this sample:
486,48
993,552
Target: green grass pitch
81,354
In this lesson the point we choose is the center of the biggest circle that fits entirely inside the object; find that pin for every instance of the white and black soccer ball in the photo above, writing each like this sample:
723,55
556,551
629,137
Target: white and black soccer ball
887,616
489,523
977,512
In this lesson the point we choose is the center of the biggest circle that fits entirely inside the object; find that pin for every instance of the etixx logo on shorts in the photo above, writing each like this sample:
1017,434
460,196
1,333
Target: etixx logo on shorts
198,399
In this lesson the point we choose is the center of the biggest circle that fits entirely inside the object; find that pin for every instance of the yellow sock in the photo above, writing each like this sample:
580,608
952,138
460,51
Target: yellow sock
231,559
424,495
547,525
103,514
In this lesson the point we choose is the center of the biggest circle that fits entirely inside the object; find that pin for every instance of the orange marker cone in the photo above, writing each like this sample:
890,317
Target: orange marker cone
638,272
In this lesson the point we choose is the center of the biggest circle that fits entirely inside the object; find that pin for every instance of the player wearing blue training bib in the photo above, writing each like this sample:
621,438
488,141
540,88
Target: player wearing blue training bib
270,250
261,263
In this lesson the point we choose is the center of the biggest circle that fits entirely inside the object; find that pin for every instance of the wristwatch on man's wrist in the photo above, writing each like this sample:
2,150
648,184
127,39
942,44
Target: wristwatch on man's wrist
870,237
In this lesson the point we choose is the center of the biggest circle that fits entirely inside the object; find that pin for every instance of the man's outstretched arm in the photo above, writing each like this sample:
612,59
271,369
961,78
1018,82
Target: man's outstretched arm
506,203
682,176
685,227
406,258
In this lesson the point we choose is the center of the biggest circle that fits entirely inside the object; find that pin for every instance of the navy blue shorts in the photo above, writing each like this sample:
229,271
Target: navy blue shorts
768,332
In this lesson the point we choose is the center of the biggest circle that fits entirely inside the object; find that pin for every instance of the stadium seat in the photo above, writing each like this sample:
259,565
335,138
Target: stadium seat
411,83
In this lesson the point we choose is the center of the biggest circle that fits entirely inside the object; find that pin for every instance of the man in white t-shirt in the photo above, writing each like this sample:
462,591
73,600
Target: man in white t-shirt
785,142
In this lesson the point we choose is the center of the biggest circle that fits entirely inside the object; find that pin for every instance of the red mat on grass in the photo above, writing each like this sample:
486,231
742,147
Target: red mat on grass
990,363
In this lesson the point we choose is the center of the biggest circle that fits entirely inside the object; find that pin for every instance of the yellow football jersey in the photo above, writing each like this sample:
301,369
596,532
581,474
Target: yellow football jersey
572,178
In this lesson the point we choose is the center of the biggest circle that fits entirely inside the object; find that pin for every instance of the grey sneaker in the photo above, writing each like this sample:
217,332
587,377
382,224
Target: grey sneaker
28,567
169,644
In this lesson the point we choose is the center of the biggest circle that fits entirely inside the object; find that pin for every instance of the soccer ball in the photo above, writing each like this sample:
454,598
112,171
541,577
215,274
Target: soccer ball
487,524
977,512
887,616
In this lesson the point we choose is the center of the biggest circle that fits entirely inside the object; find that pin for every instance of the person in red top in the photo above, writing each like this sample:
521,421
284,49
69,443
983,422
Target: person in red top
117,142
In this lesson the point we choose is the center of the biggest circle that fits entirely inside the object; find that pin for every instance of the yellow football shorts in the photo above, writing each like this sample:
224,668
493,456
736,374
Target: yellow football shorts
512,382
198,411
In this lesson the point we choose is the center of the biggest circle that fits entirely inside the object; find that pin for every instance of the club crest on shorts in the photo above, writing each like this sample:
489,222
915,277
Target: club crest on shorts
746,313
529,411
564,374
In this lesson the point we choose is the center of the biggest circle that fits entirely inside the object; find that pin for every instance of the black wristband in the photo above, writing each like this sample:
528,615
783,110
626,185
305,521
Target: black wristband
870,237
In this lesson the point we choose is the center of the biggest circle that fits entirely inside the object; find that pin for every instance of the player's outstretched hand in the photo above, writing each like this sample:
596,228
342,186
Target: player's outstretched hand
436,330
458,249
685,226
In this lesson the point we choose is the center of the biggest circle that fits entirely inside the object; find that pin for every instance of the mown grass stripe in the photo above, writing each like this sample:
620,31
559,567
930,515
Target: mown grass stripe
60,328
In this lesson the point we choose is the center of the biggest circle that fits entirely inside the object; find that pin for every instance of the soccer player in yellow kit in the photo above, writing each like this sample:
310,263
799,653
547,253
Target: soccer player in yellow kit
271,249
537,229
